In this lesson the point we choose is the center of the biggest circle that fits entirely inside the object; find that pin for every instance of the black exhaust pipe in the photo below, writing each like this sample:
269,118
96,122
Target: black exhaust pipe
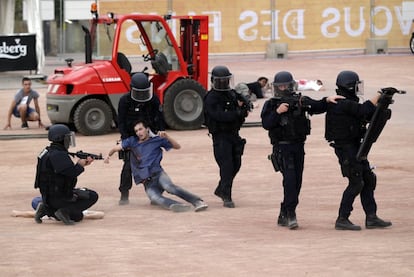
88,45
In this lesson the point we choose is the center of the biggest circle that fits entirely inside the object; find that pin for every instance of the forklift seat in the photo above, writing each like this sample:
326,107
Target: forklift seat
160,64
124,63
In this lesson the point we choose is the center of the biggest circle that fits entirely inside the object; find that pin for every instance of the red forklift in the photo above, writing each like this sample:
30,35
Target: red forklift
86,95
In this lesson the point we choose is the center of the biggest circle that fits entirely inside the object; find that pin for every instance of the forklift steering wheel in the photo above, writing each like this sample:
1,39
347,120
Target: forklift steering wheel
150,56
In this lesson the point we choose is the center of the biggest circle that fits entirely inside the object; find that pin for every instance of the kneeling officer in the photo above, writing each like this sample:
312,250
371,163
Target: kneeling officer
56,177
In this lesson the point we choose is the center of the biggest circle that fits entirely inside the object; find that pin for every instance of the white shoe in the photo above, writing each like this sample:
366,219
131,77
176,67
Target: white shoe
200,205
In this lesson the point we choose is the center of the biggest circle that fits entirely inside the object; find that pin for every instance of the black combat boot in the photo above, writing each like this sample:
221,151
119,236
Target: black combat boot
41,211
373,221
225,194
343,223
63,216
282,219
124,198
228,203
292,223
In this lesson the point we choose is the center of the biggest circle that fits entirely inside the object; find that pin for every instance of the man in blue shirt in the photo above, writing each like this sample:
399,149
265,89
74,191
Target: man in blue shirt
146,155
138,104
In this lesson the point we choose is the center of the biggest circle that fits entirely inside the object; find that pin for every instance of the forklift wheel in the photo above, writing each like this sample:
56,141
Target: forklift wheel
93,117
183,105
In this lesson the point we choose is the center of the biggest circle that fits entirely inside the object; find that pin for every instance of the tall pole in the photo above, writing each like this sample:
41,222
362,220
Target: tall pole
272,20
372,19
61,26
169,7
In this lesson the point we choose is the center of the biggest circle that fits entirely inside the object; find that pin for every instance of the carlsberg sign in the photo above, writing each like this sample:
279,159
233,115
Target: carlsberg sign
18,52
13,51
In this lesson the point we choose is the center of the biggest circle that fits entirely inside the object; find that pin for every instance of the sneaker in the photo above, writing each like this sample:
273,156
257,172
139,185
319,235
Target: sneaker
25,125
64,217
200,205
41,211
179,208
345,224
373,221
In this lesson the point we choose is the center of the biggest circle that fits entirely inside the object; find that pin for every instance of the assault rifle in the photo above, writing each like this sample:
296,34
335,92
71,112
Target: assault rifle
381,115
295,101
83,155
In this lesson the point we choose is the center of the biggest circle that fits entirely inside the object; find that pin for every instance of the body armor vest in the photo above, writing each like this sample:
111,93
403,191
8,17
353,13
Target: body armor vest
343,128
294,124
230,104
50,183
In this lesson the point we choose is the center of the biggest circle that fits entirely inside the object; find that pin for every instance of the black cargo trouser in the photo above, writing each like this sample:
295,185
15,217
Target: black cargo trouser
74,207
361,180
292,162
126,173
228,150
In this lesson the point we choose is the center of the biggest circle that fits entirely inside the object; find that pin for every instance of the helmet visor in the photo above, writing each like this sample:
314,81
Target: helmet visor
359,88
69,140
222,83
284,87
141,95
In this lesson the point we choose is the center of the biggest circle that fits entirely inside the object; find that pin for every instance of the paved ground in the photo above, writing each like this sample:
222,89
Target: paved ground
143,240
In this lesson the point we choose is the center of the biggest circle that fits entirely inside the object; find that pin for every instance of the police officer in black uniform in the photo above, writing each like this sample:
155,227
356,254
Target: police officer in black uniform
138,104
225,112
345,128
285,116
56,177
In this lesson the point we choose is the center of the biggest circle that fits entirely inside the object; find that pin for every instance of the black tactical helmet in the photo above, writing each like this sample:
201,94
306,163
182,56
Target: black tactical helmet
221,78
348,82
284,78
60,133
141,89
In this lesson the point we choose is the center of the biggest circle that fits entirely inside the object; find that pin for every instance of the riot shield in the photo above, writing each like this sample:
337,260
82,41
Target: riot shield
380,117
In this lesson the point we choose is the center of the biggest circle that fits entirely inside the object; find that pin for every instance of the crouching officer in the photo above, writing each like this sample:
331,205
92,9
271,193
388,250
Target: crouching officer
225,112
345,128
56,177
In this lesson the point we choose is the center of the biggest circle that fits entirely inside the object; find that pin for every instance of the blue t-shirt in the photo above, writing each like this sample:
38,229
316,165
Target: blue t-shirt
145,156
